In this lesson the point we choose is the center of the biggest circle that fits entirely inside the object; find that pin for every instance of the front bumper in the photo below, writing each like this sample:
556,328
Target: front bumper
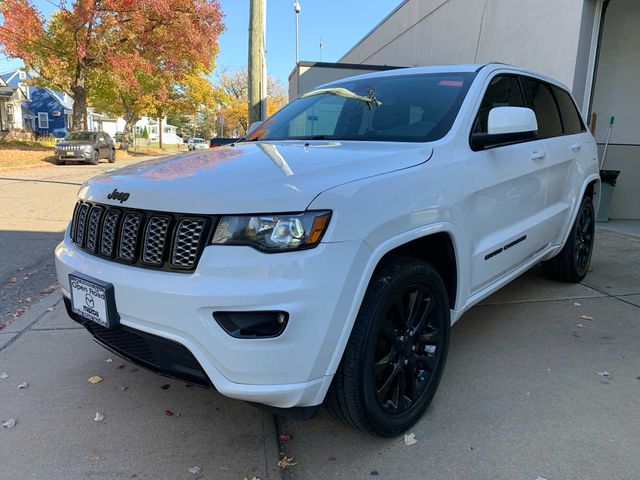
316,287
73,155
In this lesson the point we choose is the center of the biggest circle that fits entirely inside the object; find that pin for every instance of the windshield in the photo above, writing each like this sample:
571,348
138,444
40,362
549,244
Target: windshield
79,136
198,140
407,108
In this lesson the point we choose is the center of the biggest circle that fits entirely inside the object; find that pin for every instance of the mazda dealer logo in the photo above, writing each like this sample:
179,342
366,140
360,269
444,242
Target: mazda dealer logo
88,299
120,196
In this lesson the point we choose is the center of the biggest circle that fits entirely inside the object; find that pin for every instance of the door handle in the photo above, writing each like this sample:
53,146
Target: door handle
538,155
576,146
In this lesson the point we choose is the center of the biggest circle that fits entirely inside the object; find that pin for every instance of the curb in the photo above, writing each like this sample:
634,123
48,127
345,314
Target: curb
38,311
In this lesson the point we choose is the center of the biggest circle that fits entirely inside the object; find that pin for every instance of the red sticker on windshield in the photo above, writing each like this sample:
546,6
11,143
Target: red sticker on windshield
451,83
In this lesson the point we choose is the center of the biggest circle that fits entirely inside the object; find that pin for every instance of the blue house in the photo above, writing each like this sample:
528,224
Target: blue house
45,111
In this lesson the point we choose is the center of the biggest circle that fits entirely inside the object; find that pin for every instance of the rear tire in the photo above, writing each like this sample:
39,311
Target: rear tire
395,357
572,262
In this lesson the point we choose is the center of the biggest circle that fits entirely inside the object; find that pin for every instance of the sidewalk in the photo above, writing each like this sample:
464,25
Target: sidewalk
524,395
56,437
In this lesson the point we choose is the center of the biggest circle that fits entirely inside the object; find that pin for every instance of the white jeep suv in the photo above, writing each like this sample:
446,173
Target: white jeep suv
326,256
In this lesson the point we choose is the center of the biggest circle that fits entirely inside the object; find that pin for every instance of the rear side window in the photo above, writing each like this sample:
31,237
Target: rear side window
503,91
571,119
539,98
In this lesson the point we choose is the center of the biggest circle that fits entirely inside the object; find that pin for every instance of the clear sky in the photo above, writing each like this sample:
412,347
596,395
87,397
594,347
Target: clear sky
340,24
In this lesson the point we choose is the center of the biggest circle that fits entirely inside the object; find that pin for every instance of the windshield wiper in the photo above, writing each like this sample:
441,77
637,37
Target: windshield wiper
343,92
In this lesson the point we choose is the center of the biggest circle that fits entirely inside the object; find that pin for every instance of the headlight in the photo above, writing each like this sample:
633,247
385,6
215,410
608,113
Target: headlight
273,233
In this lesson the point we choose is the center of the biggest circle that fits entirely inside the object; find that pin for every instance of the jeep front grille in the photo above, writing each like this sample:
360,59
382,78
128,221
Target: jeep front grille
161,240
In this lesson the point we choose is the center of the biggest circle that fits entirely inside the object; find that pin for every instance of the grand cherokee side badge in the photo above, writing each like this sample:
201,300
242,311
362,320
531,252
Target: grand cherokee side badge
120,196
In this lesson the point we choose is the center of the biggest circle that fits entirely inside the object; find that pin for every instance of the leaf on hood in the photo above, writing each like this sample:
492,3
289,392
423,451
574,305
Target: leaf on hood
99,417
9,423
95,379
23,385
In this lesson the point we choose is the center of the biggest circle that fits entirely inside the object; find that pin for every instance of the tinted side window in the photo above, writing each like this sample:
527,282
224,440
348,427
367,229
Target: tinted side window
503,91
539,98
571,119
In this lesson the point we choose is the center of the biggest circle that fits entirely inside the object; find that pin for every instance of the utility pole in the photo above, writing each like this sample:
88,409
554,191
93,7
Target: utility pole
257,69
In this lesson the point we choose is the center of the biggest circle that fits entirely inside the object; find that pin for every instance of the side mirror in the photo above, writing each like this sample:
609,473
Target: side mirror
253,127
506,125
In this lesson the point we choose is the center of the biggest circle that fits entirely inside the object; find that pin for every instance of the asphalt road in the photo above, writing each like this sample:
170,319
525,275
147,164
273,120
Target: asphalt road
37,204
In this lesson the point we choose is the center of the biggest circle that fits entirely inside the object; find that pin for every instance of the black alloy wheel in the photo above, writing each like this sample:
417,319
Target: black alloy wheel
408,347
393,362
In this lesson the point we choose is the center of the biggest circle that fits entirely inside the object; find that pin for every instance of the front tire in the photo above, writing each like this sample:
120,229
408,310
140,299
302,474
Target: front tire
572,263
94,159
112,156
395,357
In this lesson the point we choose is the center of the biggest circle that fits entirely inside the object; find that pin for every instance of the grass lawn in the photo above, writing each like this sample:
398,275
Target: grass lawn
18,154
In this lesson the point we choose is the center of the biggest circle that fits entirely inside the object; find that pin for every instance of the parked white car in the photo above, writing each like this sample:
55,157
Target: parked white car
325,258
197,144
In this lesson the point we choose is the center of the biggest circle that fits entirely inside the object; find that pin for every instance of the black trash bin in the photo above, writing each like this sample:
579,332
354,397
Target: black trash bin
609,179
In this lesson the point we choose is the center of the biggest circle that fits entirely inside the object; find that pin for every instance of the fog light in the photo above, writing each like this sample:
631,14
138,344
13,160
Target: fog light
252,324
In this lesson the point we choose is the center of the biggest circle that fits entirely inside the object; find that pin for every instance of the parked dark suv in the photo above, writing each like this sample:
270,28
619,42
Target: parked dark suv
86,147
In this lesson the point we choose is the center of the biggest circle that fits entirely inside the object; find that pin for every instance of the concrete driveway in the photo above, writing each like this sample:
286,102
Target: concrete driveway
524,396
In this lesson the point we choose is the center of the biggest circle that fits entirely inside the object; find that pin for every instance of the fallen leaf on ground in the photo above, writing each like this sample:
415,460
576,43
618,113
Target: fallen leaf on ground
166,386
285,437
9,423
95,458
252,478
124,387
108,360
120,366
13,280
579,325
410,439
586,317
603,374
23,385
286,462
168,413
540,478
3,375
49,289
576,304
99,417
195,470
95,379
19,312
50,309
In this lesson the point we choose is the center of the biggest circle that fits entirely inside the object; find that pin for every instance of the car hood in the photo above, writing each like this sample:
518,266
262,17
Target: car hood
250,177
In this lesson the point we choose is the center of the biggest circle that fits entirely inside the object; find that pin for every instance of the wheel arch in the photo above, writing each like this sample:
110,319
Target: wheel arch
438,250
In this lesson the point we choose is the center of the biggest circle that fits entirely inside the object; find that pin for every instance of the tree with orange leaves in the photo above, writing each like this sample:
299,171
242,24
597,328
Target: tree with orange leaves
124,39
